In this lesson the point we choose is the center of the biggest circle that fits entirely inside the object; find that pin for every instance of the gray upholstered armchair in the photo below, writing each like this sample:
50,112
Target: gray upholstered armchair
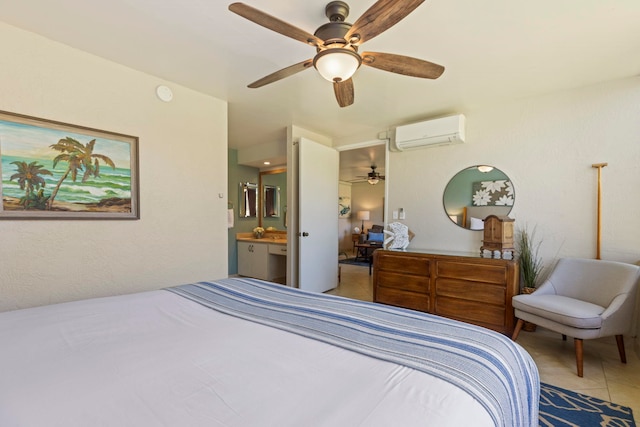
584,299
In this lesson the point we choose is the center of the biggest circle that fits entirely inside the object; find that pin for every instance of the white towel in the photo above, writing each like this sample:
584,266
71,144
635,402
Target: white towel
230,217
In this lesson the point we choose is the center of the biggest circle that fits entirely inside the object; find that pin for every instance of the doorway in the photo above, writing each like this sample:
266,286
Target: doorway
362,200
362,206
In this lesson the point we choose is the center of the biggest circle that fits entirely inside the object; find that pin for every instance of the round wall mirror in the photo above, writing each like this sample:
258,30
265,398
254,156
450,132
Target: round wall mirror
475,193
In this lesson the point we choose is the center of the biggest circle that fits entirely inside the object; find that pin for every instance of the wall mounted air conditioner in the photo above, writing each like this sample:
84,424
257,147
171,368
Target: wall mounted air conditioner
445,130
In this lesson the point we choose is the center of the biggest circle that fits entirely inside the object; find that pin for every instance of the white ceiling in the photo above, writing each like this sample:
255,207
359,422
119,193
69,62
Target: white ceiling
493,51
356,164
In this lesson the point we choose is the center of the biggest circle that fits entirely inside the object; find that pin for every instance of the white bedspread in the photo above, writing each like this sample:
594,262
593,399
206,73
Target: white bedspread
157,359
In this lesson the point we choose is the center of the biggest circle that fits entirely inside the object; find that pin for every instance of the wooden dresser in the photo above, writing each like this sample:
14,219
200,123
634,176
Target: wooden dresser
464,287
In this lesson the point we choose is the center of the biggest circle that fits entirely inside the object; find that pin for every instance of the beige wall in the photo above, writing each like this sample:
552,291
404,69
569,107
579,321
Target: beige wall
367,197
181,236
546,145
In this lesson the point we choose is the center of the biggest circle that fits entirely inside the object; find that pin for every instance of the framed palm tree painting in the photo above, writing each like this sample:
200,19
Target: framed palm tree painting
54,170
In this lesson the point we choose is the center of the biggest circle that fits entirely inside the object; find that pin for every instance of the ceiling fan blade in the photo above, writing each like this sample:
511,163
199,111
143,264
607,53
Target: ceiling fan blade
402,65
275,24
383,15
281,74
344,92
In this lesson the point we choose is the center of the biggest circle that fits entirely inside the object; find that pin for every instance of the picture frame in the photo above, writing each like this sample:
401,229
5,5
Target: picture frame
492,193
55,170
344,207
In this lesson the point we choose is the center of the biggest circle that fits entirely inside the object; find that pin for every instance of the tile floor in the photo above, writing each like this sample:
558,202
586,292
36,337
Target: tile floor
605,377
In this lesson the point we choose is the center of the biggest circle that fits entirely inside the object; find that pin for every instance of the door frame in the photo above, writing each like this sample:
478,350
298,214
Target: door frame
387,171
294,134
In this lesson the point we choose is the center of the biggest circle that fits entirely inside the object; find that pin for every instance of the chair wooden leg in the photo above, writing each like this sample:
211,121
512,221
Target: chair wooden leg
578,344
623,355
517,329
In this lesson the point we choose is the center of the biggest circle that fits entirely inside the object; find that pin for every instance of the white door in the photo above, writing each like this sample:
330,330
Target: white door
317,216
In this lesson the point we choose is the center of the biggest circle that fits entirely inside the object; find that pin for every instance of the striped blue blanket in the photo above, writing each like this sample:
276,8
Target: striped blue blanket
490,367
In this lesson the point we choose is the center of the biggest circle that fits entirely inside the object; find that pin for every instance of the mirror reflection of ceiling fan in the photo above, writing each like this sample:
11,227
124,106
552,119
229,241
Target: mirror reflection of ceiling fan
372,177
337,42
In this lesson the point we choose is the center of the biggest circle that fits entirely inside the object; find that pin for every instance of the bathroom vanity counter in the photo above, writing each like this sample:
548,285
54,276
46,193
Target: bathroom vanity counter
264,240
264,258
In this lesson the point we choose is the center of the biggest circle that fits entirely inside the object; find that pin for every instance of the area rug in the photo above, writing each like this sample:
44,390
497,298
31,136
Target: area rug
565,408
352,261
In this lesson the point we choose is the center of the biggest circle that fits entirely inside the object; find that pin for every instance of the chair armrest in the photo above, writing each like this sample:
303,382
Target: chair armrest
615,306
616,318
546,288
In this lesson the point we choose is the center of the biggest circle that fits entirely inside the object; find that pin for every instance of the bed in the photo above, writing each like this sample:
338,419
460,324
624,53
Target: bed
243,352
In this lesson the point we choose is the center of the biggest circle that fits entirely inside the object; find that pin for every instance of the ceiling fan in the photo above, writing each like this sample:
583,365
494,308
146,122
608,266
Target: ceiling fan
337,42
372,177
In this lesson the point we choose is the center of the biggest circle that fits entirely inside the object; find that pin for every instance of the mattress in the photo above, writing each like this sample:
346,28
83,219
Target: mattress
242,352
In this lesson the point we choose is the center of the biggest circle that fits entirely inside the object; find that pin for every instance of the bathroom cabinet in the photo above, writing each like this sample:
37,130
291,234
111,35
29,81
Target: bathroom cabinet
262,260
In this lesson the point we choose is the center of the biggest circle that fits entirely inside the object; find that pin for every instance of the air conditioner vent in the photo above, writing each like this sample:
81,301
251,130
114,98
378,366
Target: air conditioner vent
442,131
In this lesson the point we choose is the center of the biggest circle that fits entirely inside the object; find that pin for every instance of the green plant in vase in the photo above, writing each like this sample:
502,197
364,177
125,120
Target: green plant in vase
528,249
530,264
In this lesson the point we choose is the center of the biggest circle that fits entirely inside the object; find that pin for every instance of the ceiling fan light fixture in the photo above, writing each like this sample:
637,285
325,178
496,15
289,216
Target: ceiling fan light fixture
485,168
373,181
337,64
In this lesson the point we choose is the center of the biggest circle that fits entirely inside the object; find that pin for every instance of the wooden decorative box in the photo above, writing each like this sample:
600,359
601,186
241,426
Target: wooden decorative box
498,235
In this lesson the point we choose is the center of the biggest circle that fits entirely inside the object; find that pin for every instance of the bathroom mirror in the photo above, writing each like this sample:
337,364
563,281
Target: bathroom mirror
271,204
248,200
273,196
475,193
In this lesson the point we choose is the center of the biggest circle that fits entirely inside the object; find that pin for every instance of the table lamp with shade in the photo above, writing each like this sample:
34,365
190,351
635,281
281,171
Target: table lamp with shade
363,216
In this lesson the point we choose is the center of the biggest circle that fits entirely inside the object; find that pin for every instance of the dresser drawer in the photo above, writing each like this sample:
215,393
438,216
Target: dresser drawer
473,291
403,282
472,272
400,298
405,264
470,311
